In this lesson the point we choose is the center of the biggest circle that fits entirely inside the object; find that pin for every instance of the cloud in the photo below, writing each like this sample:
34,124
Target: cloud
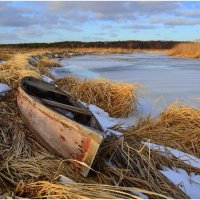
178,21
54,20
11,16
140,27
111,10
7,37
30,32
188,13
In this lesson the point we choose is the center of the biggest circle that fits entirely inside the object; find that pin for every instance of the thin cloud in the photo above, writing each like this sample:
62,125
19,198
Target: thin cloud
175,21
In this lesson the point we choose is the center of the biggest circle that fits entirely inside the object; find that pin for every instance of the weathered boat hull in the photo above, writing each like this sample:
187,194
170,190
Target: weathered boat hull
60,134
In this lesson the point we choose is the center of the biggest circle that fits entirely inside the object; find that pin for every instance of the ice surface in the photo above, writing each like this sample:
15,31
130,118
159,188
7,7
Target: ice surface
61,72
166,78
4,89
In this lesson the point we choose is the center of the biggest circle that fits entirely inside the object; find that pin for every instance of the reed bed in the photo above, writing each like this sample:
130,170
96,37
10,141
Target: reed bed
118,99
178,127
187,50
122,166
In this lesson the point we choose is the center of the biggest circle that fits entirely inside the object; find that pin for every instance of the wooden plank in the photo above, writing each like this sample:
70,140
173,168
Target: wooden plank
65,107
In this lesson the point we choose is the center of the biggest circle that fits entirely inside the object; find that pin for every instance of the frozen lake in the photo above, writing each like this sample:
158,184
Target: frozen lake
166,78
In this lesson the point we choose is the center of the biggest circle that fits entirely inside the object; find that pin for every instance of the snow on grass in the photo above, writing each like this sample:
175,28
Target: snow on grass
4,89
190,184
143,196
108,122
47,79
64,179
168,151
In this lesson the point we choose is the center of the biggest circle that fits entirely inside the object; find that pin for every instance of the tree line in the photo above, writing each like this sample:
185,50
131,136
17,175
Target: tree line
129,44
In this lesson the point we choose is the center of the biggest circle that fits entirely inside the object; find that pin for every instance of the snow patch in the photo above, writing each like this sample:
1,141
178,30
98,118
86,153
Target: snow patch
64,179
4,89
143,196
171,152
107,122
190,184
47,79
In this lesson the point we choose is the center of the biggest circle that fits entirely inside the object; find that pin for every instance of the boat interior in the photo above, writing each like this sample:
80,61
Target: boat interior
60,101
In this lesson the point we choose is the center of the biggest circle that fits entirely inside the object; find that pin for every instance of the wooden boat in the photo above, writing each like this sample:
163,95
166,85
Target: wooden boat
61,123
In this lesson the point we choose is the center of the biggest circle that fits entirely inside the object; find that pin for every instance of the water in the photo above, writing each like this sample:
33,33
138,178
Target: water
165,77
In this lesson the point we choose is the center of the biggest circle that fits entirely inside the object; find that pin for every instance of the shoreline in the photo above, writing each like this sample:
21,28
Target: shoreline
8,52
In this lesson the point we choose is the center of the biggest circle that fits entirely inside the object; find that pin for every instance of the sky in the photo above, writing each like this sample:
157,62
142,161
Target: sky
52,21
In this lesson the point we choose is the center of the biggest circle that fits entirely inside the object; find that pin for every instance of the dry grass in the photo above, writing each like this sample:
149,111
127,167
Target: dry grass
19,66
118,99
47,63
44,189
22,157
126,162
187,50
177,127
15,69
7,53
110,50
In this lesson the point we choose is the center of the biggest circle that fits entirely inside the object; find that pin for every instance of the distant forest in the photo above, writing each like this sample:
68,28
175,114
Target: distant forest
133,44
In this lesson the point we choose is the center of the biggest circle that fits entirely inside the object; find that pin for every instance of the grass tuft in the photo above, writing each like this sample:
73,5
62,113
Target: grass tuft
118,99
178,127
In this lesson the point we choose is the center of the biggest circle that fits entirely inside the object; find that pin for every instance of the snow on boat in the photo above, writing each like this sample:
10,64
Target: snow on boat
61,123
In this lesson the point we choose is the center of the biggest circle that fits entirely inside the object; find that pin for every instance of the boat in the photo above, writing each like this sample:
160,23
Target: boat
61,123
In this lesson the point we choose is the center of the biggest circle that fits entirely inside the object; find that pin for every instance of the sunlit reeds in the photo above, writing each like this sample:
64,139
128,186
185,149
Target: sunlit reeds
188,50
44,189
118,99
178,126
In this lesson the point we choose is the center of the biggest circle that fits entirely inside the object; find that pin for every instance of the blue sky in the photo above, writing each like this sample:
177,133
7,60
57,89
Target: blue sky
98,21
